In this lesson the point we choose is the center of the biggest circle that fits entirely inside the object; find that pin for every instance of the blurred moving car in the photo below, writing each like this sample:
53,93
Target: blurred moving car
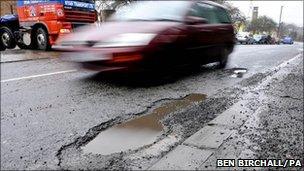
287,40
245,38
154,35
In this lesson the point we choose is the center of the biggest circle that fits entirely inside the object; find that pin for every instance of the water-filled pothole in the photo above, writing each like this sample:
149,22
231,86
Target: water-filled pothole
137,132
238,72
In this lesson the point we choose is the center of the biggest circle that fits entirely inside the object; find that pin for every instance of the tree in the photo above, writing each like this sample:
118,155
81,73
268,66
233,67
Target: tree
7,7
262,24
291,30
111,4
236,15
106,8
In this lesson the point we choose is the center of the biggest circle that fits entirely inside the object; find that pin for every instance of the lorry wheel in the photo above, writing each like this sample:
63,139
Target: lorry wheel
42,39
2,47
7,38
23,46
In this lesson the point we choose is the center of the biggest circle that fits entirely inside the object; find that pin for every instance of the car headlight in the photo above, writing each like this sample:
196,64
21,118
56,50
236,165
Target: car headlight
127,39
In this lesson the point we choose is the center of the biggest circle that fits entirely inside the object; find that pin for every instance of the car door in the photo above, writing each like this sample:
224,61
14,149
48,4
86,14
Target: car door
225,28
204,34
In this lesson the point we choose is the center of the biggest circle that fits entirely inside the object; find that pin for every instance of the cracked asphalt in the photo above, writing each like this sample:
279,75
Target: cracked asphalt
45,119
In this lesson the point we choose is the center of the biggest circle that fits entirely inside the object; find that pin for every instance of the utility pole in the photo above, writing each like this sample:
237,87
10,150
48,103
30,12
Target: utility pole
250,9
279,29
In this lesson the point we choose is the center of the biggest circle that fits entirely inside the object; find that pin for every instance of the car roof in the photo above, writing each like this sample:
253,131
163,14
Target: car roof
244,32
212,3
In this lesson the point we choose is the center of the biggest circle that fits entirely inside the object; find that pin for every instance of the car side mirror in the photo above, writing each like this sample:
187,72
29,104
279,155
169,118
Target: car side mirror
191,20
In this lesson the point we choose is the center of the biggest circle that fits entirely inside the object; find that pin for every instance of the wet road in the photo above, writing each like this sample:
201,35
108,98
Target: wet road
47,104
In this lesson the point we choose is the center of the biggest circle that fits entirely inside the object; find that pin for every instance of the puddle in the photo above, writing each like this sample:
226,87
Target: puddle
238,72
137,132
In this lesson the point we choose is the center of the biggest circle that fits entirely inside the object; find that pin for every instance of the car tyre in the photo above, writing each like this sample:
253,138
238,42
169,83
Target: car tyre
223,58
42,39
7,38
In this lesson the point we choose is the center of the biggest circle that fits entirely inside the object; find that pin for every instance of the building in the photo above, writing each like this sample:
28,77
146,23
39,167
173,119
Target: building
255,13
8,7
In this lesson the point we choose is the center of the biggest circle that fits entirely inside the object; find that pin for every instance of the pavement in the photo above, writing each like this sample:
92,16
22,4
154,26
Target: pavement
21,55
50,109
274,130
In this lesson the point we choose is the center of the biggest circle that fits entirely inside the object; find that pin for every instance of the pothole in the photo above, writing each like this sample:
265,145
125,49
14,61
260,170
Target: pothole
238,72
137,132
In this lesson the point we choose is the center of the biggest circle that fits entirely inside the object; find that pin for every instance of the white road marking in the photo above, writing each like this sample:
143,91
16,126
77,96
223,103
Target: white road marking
35,76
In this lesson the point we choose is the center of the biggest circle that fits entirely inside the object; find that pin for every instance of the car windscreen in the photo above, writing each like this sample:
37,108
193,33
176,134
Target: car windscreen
257,37
243,34
153,11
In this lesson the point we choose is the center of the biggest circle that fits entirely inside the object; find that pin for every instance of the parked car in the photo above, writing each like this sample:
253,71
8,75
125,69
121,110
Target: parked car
154,35
259,39
245,38
287,40
270,40
263,39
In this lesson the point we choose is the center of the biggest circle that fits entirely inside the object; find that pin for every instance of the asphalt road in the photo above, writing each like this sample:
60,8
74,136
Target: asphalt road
47,104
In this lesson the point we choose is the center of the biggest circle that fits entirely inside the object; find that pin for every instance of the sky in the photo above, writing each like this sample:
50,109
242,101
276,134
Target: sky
292,10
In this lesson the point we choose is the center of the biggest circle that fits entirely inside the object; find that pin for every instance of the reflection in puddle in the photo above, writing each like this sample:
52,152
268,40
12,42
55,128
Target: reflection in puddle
137,132
238,72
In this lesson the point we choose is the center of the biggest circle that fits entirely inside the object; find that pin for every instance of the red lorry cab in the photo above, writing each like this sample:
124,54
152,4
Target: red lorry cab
46,20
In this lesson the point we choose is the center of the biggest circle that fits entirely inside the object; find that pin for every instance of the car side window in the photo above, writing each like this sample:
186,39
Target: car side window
204,11
222,15
212,13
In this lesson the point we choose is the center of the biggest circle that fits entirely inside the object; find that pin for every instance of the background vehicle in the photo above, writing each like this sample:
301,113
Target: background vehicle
270,40
287,40
245,38
8,25
153,35
260,39
40,23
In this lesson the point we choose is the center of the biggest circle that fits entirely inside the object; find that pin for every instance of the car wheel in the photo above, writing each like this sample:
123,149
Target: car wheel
42,39
7,38
223,58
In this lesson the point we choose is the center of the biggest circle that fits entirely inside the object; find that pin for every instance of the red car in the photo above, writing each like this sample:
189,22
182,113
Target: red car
154,35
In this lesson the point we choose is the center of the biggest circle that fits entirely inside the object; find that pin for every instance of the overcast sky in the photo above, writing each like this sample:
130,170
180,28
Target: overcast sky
292,10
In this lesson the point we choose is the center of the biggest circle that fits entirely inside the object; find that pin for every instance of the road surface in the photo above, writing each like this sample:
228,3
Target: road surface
50,109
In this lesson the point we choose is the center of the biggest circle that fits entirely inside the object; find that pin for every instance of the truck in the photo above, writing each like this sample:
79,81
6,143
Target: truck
39,23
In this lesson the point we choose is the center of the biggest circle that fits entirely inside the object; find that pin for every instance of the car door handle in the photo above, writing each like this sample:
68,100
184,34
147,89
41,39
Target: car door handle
206,30
224,29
